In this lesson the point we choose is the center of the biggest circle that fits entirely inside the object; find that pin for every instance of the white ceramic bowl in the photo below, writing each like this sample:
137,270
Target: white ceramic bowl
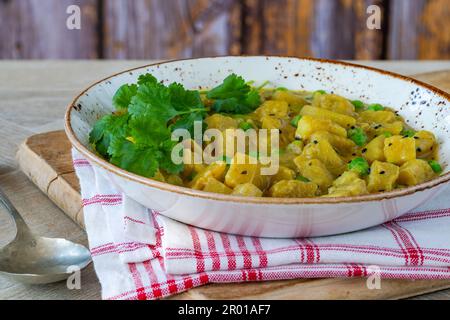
423,106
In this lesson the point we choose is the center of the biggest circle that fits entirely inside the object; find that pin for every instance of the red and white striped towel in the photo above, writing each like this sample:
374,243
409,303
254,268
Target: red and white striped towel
140,254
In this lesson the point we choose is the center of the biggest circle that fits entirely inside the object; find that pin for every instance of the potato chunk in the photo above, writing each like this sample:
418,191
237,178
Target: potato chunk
295,147
215,170
341,144
243,171
323,151
221,122
293,189
247,190
287,134
393,128
268,122
425,144
294,100
287,159
315,171
320,113
333,103
382,176
374,150
414,172
190,167
159,176
284,173
307,125
377,116
214,185
348,184
398,149
273,108
175,180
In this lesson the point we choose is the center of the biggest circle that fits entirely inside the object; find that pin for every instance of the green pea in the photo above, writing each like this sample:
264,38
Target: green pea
295,120
375,107
358,136
358,104
435,166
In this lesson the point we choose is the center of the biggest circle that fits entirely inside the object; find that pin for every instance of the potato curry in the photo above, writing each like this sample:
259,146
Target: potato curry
329,146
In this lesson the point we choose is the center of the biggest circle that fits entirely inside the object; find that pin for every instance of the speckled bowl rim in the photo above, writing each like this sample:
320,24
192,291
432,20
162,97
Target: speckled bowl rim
251,200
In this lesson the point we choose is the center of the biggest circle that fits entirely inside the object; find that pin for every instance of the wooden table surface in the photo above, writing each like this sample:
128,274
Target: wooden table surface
33,96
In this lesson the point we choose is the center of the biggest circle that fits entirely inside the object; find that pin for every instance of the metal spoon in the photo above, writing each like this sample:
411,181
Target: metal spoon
37,260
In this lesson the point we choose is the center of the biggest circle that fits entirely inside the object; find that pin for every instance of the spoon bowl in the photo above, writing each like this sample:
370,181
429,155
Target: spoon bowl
37,260
42,260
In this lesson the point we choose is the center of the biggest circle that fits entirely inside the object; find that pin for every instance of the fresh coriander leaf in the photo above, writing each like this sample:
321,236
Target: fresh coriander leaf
146,79
302,178
122,97
138,138
387,134
143,161
187,122
232,86
252,100
165,162
109,126
166,103
245,126
152,100
148,131
189,107
184,100
234,96
231,105
262,85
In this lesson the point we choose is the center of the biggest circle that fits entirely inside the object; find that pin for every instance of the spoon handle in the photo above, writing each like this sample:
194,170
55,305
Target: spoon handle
21,226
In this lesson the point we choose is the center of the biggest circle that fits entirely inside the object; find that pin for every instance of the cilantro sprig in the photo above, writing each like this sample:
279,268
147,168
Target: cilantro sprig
234,96
137,137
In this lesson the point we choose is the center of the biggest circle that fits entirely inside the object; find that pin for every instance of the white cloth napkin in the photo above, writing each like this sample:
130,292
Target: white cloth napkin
140,254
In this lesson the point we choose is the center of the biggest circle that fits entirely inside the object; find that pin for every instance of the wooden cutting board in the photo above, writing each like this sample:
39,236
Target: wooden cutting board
46,159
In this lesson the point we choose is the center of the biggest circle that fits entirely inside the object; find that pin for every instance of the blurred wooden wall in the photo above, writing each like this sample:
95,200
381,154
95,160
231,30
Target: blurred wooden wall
154,29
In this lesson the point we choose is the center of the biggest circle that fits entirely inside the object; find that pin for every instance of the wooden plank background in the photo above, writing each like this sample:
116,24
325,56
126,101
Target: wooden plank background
156,29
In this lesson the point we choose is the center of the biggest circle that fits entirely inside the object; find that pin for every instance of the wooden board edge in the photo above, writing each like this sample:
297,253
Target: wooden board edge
28,160
60,192
50,182
317,289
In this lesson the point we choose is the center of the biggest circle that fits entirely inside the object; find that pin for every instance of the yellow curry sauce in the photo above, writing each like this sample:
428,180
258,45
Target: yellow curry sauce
328,145
320,135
